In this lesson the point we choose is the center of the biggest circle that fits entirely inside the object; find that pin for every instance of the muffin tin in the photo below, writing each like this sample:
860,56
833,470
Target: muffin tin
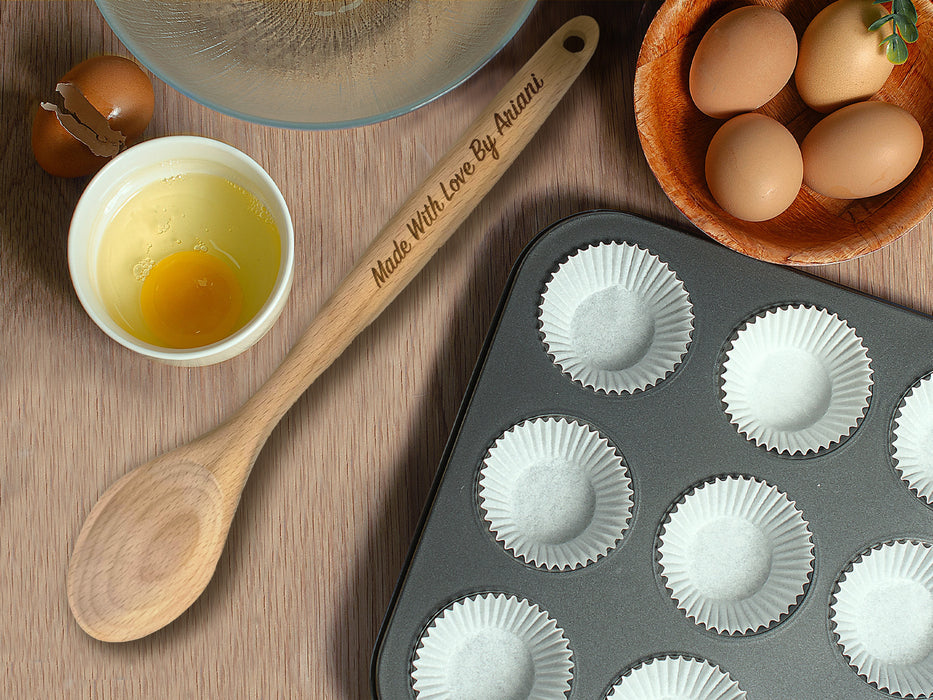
697,503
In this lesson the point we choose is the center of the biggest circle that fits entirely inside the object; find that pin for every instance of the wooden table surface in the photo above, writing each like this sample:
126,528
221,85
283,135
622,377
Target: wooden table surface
327,517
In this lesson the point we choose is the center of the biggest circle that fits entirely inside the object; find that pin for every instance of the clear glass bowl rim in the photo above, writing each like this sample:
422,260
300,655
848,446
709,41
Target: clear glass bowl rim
134,49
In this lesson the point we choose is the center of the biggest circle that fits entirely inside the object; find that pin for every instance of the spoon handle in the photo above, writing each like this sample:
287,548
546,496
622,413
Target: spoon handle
426,220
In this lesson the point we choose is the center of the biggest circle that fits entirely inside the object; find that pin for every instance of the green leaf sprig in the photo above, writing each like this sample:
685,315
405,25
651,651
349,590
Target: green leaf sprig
904,29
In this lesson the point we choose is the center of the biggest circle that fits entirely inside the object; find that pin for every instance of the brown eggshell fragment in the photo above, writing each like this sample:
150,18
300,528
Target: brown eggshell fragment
861,150
85,123
58,152
742,61
753,167
117,89
840,60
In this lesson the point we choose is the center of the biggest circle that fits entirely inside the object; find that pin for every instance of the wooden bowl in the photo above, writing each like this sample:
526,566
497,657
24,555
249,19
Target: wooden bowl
815,229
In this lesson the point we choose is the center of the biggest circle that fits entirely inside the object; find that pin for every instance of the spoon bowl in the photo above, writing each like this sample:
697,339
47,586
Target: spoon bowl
147,549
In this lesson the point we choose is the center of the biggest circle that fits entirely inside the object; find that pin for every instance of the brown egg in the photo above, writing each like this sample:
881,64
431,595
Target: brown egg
112,102
840,61
753,167
861,150
742,61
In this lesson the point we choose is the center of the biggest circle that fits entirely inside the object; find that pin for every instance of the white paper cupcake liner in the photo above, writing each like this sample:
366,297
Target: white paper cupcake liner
796,380
736,555
555,493
492,647
615,318
882,616
912,446
677,678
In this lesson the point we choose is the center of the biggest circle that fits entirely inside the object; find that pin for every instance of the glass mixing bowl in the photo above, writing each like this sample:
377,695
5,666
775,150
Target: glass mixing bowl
314,64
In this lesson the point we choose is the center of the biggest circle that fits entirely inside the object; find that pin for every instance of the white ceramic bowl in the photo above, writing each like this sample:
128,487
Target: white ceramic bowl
124,176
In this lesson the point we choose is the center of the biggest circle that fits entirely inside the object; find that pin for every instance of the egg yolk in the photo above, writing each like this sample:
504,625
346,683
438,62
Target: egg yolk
190,299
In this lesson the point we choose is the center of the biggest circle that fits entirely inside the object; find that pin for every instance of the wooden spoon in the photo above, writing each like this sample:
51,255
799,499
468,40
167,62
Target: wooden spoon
151,543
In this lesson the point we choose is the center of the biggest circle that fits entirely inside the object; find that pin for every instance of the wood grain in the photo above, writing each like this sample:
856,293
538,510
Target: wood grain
326,520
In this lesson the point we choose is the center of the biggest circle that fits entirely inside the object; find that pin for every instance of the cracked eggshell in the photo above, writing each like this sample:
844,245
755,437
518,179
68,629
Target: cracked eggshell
118,90
58,152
